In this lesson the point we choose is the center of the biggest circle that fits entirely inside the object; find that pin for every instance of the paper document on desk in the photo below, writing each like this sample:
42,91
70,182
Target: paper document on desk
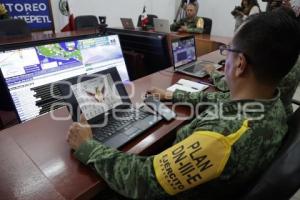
187,86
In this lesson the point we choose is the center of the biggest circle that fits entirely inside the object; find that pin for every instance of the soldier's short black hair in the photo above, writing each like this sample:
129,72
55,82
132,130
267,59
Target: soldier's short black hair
271,44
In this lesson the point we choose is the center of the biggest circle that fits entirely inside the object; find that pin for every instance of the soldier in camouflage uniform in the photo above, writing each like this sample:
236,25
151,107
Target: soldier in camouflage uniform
192,23
215,156
287,86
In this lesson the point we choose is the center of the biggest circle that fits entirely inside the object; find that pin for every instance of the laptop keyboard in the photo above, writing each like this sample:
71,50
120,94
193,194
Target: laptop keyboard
115,125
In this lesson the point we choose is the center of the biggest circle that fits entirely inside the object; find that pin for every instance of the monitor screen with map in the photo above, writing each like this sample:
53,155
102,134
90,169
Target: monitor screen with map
29,72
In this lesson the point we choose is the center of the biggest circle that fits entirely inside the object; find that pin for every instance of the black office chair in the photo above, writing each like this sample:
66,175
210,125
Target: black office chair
150,18
282,179
86,22
207,25
14,27
102,20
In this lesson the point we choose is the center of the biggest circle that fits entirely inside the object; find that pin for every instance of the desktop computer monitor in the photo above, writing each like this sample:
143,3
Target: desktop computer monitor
28,72
152,46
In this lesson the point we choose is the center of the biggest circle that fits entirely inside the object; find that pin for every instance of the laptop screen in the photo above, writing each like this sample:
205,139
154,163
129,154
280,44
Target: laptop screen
97,95
127,23
29,72
184,51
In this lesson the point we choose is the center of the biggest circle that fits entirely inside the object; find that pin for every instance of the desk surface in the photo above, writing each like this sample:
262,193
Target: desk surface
205,37
36,162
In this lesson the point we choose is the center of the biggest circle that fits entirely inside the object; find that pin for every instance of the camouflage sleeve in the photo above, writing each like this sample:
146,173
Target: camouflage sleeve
199,26
195,98
195,30
219,81
130,175
176,25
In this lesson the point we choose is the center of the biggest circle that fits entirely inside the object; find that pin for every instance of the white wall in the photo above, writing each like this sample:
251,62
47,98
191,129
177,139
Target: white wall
114,9
217,10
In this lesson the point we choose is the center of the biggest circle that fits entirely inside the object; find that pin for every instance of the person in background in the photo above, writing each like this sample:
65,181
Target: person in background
215,152
272,4
3,12
192,23
295,5
247,8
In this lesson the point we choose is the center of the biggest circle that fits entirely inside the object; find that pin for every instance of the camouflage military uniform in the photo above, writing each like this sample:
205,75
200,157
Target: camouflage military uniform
195,25
287,86
136,176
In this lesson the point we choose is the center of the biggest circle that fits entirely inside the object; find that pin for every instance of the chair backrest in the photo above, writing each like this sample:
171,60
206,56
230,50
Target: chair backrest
282,179
14,27
150,18
86,22
102,20
207,25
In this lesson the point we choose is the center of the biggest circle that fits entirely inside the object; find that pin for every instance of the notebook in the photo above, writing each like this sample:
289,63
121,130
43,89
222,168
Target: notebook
127,23
161,25
104,102
185,57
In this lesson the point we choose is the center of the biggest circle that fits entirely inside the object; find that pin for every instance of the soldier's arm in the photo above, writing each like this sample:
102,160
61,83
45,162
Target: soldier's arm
176,25
219,81
199,26
130,175
195,30
159,176
195,98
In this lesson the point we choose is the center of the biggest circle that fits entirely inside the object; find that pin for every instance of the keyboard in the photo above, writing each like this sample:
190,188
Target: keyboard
114,126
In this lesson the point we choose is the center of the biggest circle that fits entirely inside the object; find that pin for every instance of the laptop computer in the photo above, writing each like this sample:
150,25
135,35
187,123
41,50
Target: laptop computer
185,57
161,25
127,23
28,70
104,102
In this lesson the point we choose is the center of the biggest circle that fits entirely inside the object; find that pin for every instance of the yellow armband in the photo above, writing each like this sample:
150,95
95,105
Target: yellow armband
200,23
196,160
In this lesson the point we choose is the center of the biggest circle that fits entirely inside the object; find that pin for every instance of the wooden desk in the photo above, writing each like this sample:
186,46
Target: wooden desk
36,162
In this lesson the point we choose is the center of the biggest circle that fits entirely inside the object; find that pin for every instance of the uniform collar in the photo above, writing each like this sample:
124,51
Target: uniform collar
233,106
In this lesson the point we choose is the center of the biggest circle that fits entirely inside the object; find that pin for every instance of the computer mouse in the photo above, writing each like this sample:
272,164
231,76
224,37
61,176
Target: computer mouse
222,62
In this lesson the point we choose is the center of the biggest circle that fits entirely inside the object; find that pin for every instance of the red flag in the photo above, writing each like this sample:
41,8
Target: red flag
70,26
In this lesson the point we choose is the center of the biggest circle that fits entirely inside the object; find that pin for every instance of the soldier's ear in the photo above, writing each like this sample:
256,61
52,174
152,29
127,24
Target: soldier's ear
241,65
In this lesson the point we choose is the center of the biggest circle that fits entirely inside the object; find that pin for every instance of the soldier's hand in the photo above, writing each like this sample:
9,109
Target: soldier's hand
209,68
161,94
183,28
79,133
